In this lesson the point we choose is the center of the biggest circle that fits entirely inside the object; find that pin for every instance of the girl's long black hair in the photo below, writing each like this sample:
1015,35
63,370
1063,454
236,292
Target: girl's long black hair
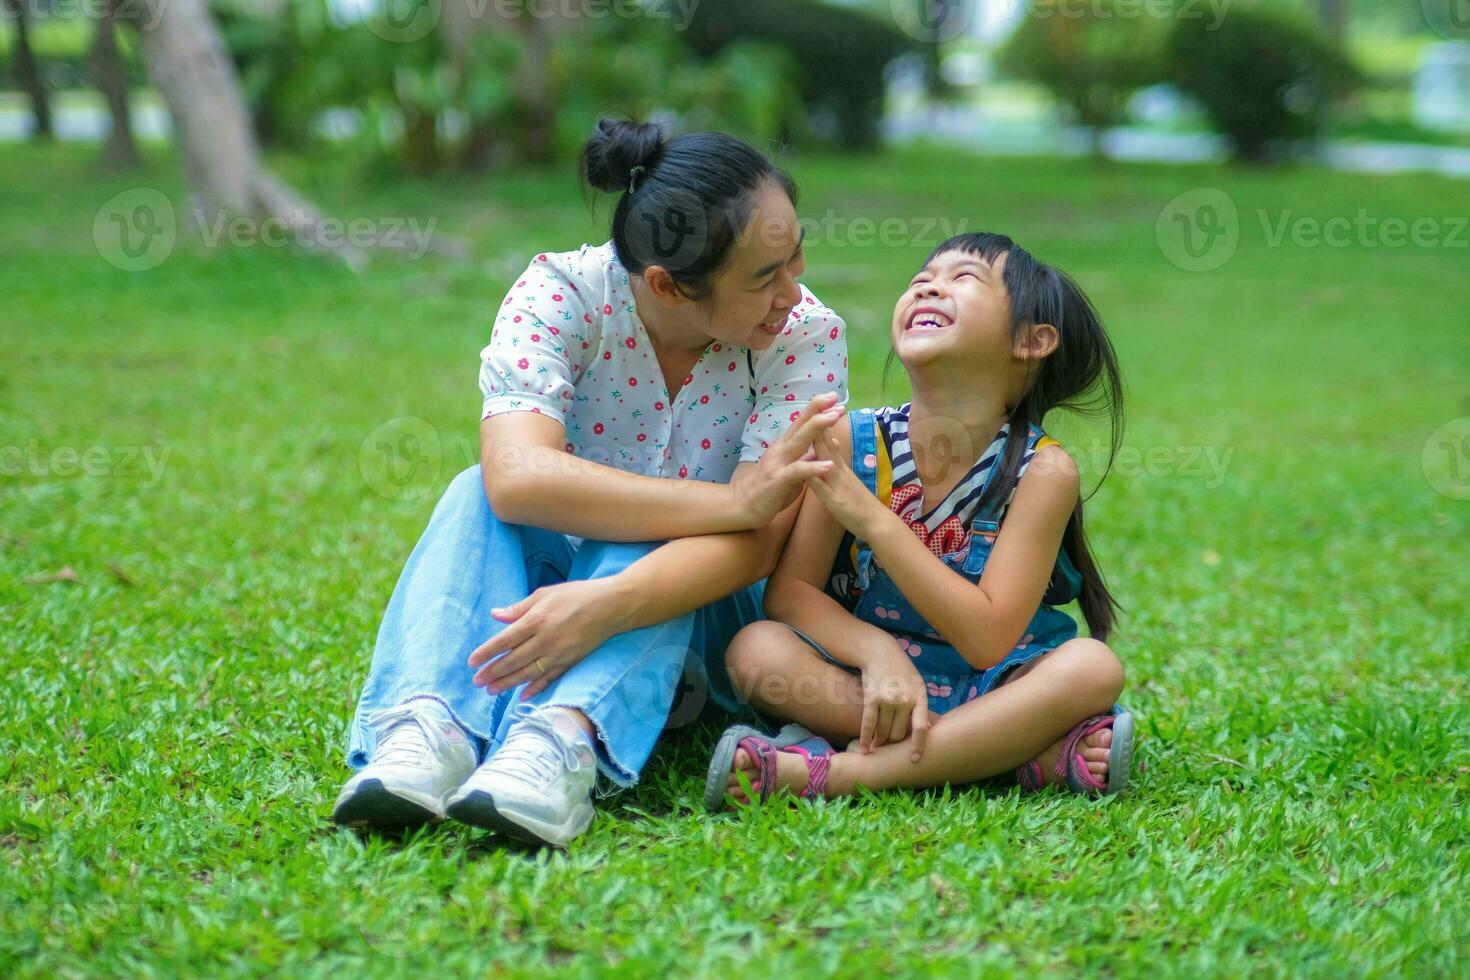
1081,375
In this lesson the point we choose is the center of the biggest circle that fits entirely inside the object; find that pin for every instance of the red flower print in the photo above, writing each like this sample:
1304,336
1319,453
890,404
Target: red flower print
607,355
570,447
587,317
704,399
717,348
658,406
688,379
753,419
791,397
764,389
683,472
642,436
630,343
557,333
523,364
521,283
535,411
599,428
557,297
832,333
584,345
515,319
541,258
811,301
704,444
794,415
831,377
632,382
607,309
732,365
790,358
535,338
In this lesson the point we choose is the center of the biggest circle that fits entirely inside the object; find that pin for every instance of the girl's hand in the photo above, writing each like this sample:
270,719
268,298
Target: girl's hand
895,701
550,630
841,492
770,486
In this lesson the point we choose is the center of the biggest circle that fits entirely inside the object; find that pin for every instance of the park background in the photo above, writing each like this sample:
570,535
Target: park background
239,360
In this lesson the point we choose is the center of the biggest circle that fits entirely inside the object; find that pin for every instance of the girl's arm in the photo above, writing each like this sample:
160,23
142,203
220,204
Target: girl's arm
894,699
983,622
530,479
796,593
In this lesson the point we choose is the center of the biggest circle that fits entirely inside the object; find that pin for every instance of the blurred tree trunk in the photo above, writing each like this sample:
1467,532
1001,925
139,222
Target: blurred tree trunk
1334,15
187,60
121,152
27,72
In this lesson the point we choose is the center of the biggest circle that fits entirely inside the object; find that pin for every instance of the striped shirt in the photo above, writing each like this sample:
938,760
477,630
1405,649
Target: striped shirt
946,527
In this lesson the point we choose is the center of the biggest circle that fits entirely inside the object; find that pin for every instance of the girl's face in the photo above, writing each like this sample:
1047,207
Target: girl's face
956,309
754,293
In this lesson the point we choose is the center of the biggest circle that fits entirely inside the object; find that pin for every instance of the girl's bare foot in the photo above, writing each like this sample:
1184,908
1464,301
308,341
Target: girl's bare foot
1094,749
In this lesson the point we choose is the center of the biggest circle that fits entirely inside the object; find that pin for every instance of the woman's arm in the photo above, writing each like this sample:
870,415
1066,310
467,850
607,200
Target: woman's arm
560,624
984,621
530,479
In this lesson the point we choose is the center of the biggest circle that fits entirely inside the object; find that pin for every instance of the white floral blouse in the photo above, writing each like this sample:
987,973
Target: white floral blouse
568,343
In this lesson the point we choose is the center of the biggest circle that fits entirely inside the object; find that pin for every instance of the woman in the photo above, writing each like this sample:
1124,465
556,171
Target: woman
650,408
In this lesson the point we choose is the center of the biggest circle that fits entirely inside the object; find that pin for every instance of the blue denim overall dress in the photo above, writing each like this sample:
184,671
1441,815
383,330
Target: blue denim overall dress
861,586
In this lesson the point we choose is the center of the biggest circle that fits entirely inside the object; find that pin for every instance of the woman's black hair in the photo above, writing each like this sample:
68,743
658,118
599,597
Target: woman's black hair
1081,375
683,200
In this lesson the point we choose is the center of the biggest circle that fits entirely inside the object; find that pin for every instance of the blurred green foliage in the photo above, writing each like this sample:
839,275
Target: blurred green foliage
1263,78
1093,61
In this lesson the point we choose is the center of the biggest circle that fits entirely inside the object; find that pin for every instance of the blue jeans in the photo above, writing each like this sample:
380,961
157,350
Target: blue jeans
467,563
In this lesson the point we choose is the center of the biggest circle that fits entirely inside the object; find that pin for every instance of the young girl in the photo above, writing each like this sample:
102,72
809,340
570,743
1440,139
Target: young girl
913,611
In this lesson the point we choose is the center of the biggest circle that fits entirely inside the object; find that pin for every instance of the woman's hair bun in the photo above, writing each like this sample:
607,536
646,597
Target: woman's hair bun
615,148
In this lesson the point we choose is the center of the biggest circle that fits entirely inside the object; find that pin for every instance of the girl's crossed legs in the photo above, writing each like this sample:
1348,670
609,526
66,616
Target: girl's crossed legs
1025,717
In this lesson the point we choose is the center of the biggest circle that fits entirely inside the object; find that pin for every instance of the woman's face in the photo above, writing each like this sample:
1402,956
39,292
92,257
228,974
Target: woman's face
752,295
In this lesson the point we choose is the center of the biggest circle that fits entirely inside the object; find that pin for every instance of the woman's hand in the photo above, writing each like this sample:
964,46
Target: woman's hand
849,502
550,630
766,489
895,701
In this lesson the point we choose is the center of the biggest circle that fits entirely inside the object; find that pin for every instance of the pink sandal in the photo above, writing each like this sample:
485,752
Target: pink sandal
815,750
1071,764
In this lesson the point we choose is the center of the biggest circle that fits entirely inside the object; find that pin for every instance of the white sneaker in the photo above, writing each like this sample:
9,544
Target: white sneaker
422,757
537,787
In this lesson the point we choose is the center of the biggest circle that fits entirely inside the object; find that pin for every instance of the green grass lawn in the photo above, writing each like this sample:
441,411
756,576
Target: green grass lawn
182,648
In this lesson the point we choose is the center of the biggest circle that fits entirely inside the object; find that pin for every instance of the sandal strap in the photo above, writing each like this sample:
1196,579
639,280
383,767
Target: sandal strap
765,757
1031,777
817,752
1071,765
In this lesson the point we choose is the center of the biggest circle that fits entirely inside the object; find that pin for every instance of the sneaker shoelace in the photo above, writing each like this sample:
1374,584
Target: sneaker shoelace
412,734
525,751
